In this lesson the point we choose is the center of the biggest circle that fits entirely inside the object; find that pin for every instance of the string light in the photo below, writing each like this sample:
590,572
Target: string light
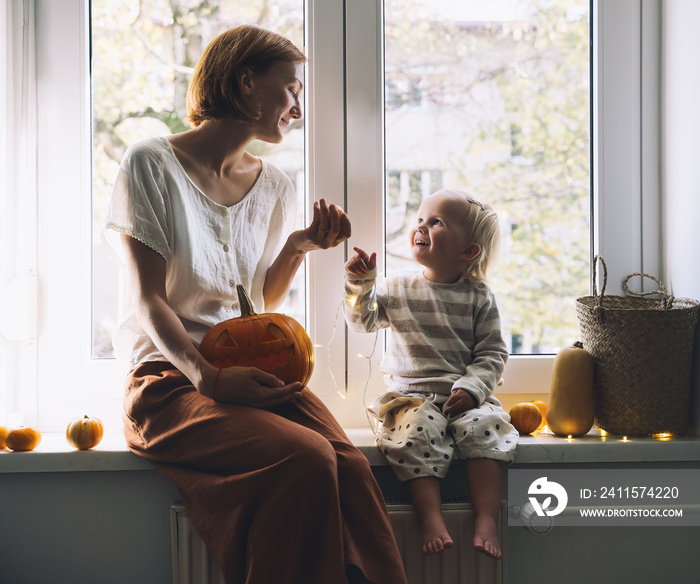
342,394
369,376
372,307
352,301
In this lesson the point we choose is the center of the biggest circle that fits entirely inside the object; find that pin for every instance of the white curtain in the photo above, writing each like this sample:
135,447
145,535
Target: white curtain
681,161
19,156
18,201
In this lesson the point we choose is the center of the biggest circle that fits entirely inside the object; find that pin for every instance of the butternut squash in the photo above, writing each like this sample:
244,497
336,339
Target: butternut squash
570,411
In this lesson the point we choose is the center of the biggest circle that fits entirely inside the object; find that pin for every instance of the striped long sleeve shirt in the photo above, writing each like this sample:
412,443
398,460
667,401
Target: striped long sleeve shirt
442,337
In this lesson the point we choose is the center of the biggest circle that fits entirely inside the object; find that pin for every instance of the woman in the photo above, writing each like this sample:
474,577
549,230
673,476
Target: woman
268,478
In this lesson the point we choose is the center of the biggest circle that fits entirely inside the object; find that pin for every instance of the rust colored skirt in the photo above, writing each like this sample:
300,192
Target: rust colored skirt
278,496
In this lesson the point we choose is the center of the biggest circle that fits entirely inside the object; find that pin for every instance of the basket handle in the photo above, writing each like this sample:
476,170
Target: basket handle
667,298
598,308
605,278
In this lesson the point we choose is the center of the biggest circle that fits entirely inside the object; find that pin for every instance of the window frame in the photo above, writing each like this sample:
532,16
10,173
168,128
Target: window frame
625,199
344,137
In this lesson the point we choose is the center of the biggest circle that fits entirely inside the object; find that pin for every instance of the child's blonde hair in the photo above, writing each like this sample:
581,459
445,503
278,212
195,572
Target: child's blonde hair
482,226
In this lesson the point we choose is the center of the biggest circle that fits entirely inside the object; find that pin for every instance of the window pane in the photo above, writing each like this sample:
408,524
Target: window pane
143,55
492,96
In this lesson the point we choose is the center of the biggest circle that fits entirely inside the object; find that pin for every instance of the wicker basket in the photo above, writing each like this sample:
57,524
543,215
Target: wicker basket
642,350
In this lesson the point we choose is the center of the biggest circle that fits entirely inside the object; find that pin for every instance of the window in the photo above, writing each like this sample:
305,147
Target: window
493,98
143,57
54,375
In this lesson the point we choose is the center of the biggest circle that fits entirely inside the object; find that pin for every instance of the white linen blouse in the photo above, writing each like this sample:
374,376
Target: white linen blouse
208,248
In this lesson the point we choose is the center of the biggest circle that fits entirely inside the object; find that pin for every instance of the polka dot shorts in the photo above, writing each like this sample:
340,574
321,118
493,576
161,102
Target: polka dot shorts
418,440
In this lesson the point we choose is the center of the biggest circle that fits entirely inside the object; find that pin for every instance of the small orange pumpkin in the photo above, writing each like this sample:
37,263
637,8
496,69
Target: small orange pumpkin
84,433
526,417
542,405
3,435
272,342
23,438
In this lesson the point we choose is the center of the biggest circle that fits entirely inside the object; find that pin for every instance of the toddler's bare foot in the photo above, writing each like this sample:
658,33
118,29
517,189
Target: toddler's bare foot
436,539
486,537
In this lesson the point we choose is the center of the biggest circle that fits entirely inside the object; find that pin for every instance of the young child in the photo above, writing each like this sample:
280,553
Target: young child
444,359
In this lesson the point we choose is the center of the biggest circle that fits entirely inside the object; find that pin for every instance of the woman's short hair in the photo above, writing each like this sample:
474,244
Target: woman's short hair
215,92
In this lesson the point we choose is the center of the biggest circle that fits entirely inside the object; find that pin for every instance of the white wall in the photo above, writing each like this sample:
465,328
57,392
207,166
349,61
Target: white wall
680,159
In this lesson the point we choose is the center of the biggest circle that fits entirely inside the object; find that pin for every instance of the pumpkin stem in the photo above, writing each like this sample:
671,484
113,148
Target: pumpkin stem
578,345
245,302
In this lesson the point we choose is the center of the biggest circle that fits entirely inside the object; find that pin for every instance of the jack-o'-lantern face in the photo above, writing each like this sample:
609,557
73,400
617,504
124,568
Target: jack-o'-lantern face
272,342
255,343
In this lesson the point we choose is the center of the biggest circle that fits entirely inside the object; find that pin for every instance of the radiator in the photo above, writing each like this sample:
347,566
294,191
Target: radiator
461,564
193,564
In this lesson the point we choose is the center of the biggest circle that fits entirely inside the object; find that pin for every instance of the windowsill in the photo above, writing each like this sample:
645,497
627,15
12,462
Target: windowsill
54,454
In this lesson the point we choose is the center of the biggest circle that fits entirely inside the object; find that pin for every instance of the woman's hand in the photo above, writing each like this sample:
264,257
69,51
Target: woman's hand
249,386
459,402
361,263
329,227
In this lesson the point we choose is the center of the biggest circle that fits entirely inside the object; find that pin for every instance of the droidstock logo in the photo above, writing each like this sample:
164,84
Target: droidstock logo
542,487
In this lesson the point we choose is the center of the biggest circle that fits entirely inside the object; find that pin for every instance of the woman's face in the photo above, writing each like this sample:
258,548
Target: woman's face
278,95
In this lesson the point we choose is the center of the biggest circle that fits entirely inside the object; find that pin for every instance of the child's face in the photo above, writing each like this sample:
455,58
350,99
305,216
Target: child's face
439,240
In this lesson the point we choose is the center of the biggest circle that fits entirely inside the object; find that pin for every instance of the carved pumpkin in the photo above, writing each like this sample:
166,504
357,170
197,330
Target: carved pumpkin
272,342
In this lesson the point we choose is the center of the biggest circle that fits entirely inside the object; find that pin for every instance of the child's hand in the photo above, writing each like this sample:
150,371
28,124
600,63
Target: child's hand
361,263
459,402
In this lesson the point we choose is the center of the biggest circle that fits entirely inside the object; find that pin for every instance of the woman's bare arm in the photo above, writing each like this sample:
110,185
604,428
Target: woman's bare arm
329,227
244,385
